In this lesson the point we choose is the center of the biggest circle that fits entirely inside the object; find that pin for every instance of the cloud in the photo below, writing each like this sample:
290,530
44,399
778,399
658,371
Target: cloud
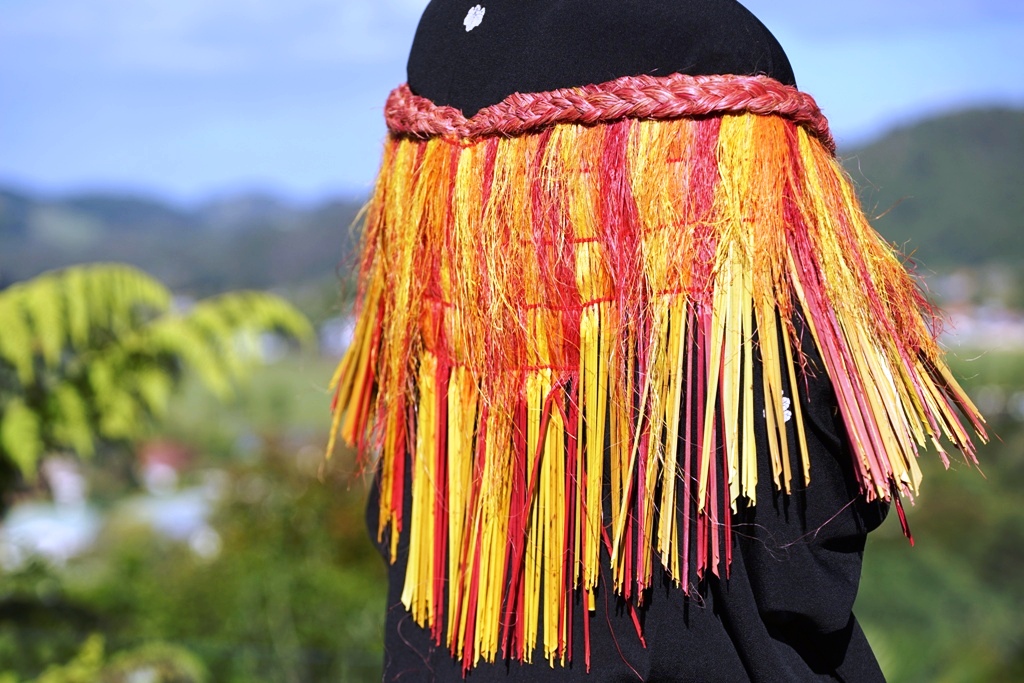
206,35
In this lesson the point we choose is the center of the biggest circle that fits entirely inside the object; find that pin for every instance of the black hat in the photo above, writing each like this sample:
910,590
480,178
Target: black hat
470,54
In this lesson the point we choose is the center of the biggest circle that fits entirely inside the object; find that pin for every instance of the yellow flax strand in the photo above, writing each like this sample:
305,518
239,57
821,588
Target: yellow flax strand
594,362
554,545
774,394
533,575
623,461
659,176
463,401
417,591
355,371
493,521
751,150
668,544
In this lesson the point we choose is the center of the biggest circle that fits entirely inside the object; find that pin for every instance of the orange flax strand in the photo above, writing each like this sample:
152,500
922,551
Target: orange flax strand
394,246
752,149
581,149
657,156
867,323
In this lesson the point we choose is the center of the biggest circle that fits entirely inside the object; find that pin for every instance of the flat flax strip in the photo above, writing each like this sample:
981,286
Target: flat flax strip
536,306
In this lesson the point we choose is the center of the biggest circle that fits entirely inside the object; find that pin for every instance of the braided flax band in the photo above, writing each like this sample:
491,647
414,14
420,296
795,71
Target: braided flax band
637,97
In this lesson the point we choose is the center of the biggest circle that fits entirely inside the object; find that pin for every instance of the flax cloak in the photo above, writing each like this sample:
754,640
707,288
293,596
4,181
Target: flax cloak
551,289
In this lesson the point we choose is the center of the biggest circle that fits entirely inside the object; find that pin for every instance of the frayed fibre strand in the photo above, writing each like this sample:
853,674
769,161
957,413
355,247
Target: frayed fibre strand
549,307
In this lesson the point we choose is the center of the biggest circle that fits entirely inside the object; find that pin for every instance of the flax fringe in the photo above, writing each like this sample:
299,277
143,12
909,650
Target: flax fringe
536,308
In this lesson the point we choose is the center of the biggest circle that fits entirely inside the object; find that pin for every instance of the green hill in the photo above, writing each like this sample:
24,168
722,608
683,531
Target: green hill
244,241
949,189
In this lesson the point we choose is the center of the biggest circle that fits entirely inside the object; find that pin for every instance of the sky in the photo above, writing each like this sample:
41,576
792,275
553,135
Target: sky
187,99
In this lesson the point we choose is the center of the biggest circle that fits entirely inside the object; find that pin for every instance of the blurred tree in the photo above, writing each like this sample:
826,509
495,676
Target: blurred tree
94,352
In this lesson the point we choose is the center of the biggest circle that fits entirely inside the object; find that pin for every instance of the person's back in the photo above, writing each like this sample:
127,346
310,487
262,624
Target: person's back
530,46
641,376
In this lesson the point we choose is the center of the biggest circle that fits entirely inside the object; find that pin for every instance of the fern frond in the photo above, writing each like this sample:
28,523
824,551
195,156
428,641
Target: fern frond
69,309
125,297
219,337
20,436
154,386
71,420
258,312
77,306
174,337
44,301
97,352
16,339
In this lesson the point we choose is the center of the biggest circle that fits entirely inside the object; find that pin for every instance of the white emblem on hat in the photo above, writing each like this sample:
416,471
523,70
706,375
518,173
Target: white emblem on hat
473,17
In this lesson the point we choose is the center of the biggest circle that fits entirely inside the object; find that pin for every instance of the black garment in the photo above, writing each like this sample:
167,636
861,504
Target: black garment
784,614
539,45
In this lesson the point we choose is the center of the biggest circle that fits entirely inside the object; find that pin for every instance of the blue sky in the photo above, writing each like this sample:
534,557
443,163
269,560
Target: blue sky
189,98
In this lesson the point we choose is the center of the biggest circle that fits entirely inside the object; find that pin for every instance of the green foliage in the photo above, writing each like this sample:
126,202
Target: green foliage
38,624
94,352
295,593
154,662
948,609
84,668
20,435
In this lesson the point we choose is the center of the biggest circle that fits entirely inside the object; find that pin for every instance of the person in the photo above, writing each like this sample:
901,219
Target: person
640,376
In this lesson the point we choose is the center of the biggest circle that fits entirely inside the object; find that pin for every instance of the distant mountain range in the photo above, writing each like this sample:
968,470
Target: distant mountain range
243,241
949,190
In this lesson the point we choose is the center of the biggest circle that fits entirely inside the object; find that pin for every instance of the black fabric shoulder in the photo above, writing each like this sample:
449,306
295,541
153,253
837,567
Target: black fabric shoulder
540,45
